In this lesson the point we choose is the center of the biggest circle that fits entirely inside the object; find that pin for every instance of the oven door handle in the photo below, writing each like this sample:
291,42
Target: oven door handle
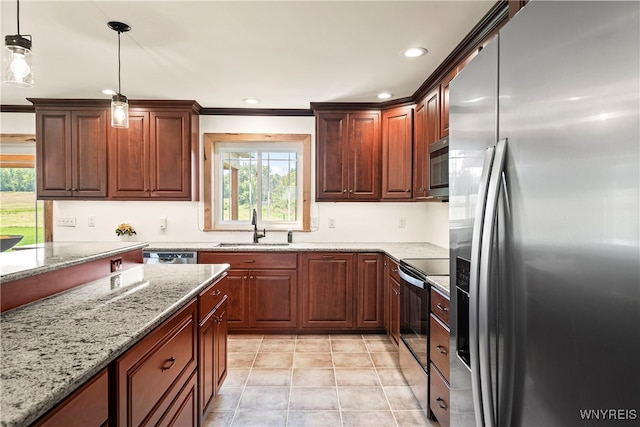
411,280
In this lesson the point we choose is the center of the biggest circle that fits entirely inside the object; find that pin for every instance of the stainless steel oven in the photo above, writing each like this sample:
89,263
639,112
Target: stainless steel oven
439,169
414,322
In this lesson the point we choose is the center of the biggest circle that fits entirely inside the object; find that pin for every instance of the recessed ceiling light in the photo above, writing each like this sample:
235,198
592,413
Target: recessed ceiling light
110,92
251,100
385,95
414,52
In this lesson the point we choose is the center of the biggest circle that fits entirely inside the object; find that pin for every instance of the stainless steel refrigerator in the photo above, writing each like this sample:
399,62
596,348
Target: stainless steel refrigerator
544,197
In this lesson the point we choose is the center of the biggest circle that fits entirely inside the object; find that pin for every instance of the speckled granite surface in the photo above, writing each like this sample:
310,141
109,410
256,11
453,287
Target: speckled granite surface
52,346
440,282
22,263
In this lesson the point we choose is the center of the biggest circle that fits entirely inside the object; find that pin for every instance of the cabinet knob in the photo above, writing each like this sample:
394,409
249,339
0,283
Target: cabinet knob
67,189
442,308
441,349
168,364
216,292
408,190
441,403
244,277
344,191
251,277
74,189
350,191
249,261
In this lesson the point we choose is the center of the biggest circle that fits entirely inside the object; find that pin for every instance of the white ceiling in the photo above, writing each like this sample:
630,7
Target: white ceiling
286,53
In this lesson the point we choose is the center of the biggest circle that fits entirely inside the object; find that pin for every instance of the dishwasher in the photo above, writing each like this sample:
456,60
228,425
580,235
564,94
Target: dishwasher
157,257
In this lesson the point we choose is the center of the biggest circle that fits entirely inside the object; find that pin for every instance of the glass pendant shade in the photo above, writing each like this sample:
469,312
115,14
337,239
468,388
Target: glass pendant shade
119,111
17,66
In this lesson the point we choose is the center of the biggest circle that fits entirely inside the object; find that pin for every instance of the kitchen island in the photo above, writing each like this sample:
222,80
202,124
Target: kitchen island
54,345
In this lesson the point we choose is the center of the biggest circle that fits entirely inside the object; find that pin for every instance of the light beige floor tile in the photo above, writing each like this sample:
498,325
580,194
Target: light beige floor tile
263,418
381,345
243,346
227,399
273,360
240,360
313,398
413,419
368,418
312,360
236,377
219,419
312,346
314,419
312,337
385,360
352,360
391,376
269,377
264,398
362,398
279,337
343,337
348,346
356,376
375,337
245,336
278,345
401,398
313,377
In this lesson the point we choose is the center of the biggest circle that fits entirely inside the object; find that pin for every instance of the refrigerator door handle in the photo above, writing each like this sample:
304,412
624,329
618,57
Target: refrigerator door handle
476,246
484,284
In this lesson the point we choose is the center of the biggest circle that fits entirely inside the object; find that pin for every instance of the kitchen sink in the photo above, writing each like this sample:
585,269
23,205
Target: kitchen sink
232,245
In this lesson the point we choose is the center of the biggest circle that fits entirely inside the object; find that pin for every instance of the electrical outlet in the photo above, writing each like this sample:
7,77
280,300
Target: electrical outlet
403,222
314,222
66,221
332,223
91,221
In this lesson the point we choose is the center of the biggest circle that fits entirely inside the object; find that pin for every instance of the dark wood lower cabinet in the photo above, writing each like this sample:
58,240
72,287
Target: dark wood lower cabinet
370,291
212,358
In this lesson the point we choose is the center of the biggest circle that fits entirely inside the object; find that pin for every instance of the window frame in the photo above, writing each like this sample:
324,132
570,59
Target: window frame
212,189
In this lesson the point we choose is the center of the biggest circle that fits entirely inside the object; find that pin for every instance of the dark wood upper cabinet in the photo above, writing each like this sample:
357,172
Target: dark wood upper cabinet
427,131
71,153
347,156
444,102
153,157
397,144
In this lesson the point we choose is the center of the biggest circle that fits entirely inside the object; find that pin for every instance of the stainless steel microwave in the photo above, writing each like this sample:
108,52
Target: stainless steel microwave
439,169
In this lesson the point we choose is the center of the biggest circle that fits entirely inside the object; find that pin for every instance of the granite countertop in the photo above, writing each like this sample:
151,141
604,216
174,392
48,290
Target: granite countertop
45,257
52,346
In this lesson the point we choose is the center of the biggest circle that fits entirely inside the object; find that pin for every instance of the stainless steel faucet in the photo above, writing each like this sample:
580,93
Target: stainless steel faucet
254,221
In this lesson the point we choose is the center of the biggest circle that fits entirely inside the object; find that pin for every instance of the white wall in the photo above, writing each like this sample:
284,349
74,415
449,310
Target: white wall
362,221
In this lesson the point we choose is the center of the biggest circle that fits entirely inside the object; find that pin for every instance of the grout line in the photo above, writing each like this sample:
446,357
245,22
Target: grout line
381,386
246,381
335,381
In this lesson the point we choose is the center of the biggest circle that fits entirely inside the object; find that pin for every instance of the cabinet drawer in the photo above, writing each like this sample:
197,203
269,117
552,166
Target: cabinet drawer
393,270
250,260
439,397
210,297
439,346
440,306
149,371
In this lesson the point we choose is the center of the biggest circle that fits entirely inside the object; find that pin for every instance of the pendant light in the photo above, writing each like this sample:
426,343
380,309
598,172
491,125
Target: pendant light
119,103
17,67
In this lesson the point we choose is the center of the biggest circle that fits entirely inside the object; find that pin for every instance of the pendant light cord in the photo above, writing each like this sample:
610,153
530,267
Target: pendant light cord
119,89
18,15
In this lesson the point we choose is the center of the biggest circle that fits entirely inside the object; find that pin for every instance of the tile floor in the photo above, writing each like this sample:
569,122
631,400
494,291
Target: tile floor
314,380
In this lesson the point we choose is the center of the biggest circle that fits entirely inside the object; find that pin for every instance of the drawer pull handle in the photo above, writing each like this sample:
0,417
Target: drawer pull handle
395,270
441,403
219,318
248,261
327,256
171,361
441,349
216,292
442,308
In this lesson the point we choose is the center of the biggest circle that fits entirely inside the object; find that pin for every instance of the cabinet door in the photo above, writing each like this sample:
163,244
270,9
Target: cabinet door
129,158
444,102
237,285
89,153
170,159
327,291
370,298
331,156
53,153
206,363
273,298
364,156
220,335
420,152
397,144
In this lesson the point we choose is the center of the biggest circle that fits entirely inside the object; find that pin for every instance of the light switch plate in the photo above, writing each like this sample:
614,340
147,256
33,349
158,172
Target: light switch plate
332,223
